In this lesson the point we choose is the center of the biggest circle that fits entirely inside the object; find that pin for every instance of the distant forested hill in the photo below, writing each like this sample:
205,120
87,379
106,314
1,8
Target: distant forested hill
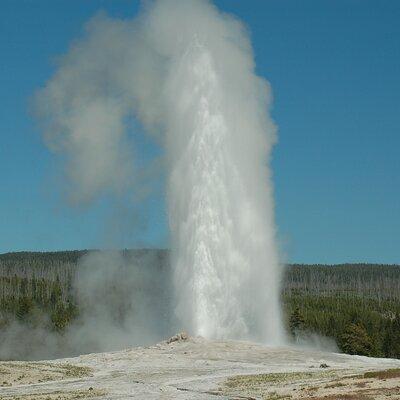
369,280
356,304
378,281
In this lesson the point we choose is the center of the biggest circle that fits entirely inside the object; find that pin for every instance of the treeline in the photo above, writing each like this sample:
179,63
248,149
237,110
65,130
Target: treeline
358,305
36,288
368,280
359,326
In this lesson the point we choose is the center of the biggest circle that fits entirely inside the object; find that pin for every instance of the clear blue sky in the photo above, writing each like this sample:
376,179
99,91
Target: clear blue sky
334,67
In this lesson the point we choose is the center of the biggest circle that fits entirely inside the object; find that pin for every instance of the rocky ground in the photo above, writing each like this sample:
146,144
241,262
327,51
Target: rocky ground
195,368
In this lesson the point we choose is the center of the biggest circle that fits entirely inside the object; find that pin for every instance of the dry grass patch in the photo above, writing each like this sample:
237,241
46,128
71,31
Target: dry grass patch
361,384
22,373
276,396
263,385
58,395
335,385
75,371
386,374
356,396
251,381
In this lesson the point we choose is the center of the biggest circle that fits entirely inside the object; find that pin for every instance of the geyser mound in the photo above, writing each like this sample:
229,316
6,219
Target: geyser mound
185,71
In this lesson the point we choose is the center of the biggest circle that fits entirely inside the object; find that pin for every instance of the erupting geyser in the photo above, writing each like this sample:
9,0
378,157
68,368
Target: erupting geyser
220,221
186,72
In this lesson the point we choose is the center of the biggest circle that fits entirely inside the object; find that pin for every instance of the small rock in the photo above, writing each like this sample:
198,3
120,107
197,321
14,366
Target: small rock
323,365
180,337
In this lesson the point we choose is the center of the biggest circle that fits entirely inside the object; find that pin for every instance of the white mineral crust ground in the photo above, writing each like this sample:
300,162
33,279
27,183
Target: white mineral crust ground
201,369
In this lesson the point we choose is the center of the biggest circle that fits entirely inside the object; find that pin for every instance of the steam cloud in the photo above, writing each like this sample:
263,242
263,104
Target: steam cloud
186,72
123,299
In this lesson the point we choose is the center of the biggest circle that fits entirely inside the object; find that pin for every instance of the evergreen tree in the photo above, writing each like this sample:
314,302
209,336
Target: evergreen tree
296,322
59,317
355,340
24,307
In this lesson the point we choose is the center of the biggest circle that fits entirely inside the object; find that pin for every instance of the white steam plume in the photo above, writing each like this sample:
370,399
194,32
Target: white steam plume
186,72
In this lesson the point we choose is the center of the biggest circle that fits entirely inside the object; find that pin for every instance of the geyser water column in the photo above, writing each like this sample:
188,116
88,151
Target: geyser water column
186,72
227,275
206,264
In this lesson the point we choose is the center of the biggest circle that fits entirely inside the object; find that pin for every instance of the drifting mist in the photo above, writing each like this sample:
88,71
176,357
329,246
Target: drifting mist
186,72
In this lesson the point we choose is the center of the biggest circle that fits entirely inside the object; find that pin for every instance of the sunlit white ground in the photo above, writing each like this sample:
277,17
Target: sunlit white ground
201,369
